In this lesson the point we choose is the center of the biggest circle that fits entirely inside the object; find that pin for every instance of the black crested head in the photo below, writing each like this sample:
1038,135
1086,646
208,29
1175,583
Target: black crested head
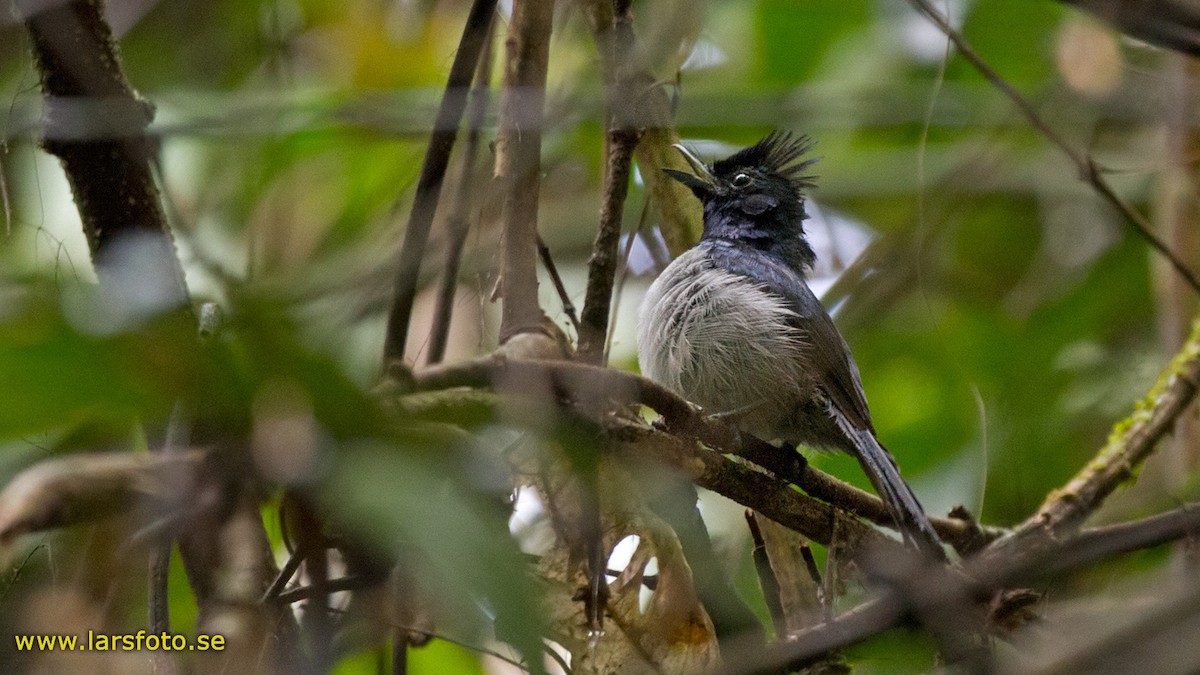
774,162
755,197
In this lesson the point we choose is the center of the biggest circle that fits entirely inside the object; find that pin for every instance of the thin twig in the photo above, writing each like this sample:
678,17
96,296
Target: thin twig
285,575
602,267
1088,170
810,564
767,580
559,286
433,173
315,590
518,160
459,222
624,274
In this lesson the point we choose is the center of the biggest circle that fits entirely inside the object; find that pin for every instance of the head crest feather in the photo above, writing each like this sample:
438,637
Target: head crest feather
780,152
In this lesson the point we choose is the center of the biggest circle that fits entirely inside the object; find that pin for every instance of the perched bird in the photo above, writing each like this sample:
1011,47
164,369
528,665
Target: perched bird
732,325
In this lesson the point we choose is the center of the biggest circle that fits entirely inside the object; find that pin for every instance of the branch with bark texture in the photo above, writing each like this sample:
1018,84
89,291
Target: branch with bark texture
615,44
518,161
95,125
1130,443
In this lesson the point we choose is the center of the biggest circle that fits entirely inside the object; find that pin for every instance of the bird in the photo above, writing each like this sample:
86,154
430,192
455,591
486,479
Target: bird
732,325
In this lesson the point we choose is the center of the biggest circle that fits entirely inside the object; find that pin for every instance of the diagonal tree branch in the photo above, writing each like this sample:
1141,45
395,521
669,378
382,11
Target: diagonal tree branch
95,125
1130,444
580,381
433,173
944,590
459,222
1088,170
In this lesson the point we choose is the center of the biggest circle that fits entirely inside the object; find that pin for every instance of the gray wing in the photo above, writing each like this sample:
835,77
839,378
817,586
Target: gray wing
827,353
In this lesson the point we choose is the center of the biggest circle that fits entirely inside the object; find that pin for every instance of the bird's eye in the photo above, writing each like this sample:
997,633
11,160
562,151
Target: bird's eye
741,180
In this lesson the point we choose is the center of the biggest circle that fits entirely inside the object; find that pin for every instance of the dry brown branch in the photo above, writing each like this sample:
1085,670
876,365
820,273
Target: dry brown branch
555,278
69,490
748,487
615,43
685,421
518,161
602,267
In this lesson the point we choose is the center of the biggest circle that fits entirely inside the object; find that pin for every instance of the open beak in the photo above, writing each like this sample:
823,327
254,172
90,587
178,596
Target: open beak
701,181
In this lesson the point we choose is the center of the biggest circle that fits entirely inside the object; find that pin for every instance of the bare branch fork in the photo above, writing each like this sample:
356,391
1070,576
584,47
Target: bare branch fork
1088,170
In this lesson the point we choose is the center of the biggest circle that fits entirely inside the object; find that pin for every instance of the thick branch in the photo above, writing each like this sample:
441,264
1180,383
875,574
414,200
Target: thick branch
104,151
518,160
433,172
602,384
810,517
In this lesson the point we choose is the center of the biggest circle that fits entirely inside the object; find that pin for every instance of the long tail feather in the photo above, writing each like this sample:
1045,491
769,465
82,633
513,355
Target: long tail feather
884,475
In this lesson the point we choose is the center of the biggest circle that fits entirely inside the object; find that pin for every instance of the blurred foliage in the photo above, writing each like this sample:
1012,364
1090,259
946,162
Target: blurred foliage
1003,318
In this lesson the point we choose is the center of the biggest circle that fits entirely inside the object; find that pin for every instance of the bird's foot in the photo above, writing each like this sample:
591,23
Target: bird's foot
795,462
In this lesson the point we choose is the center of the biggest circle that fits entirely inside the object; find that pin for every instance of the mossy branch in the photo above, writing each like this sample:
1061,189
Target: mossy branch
1132,440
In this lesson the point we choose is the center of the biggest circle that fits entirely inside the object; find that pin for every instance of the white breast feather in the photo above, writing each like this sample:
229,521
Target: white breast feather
721,341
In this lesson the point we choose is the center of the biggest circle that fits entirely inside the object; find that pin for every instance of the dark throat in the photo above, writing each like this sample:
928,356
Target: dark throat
774,233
